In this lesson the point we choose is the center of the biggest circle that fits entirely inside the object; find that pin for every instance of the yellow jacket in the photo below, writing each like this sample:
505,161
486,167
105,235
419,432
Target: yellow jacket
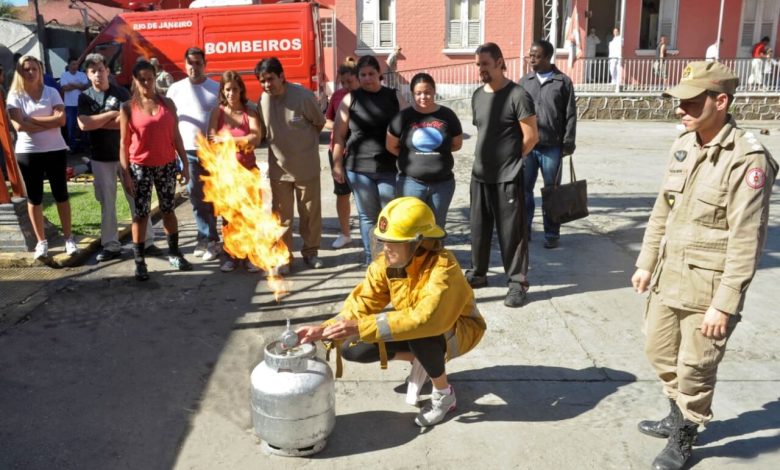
429,297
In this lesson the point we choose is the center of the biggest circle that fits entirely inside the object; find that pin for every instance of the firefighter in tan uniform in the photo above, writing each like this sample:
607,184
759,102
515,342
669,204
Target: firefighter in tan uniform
700,251
433,318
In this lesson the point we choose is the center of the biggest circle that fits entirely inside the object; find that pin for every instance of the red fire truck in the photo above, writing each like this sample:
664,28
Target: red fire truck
233,37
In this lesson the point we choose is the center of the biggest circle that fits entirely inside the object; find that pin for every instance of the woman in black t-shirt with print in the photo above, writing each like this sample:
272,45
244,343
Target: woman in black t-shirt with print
423,138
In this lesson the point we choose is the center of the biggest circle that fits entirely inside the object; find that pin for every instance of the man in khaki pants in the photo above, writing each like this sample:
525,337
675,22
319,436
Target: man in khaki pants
293,121
702,245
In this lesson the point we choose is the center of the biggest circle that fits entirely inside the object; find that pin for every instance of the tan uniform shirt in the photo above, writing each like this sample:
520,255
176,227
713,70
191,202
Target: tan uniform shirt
293,122
709,223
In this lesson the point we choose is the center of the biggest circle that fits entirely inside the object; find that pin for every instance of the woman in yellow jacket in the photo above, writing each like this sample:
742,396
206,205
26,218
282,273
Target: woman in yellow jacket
433,318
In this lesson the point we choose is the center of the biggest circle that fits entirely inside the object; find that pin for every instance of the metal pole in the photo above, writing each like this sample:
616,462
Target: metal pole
522,34
622,43
554,25
720,31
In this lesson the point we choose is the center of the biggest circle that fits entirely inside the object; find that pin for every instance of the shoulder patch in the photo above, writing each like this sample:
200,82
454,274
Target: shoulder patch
755,178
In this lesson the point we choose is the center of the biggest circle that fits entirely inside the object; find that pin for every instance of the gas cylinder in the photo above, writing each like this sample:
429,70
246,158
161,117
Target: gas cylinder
293,400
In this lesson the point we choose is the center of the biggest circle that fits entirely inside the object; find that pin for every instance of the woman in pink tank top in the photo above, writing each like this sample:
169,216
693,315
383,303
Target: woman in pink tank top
149,143
234,115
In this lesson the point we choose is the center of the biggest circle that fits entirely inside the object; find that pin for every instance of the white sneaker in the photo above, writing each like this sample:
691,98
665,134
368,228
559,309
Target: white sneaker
200,248
415,381
251,268
70,247
437,409
212,251
341,241
228,266
41,250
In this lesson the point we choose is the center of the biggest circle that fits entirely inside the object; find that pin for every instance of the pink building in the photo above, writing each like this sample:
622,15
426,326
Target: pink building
446,33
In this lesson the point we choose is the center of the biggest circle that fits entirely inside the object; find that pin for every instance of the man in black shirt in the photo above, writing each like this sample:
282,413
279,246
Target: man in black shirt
98,114
556,112
506,125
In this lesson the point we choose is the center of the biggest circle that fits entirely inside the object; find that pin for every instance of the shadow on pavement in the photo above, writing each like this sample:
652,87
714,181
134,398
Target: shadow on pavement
765,419
500,393
357,433
108,372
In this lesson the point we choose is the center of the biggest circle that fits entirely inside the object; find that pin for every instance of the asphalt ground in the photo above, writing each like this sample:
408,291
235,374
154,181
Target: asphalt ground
98,371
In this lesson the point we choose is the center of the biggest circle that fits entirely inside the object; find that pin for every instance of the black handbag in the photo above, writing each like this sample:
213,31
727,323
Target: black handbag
566,202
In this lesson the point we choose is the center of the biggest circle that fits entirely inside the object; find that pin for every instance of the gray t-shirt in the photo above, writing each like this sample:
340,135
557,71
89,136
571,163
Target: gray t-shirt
497,115
293,122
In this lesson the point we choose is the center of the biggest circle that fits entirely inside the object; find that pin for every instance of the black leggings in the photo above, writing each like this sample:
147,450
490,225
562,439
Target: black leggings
37,166
429,351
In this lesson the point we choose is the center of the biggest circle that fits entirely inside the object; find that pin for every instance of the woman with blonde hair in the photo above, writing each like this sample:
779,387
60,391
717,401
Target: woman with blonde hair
37,113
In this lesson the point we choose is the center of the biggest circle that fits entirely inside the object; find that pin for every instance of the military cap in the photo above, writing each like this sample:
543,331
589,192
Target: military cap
699,77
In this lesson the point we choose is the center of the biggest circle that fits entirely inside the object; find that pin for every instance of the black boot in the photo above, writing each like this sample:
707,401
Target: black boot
678,447
662,428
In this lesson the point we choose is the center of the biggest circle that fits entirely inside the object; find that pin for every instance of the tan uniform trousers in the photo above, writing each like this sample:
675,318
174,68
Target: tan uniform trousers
685,361
284,195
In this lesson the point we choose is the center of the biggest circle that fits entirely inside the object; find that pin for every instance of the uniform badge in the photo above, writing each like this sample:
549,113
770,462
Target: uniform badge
755,178
670,199
680,155
383,224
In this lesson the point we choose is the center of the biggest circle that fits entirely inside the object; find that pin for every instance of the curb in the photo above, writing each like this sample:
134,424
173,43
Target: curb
87,244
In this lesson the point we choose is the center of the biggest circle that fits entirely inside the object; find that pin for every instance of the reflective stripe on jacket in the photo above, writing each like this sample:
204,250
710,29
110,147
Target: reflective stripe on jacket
433,298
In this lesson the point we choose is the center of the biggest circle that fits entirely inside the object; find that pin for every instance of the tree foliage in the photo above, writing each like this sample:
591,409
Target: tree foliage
7,10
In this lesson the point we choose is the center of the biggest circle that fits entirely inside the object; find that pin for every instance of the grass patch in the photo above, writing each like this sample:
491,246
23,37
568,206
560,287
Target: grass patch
84,208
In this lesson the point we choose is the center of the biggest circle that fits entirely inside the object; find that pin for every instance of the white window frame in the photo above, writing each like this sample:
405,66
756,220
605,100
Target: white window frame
671,34
464,46
671,7
764,9
370,9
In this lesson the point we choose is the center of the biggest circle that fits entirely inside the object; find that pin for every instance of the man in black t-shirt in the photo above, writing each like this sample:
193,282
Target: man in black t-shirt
506,131
98,114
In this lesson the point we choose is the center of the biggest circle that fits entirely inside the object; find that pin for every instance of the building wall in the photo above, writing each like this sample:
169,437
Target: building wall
421,32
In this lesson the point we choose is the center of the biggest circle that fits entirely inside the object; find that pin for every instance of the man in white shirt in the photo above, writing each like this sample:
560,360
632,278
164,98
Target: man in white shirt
615,54
195,97
73,82
591,42
713,52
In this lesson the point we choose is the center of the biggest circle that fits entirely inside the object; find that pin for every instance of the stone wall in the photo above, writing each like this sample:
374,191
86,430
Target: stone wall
638,107
634,107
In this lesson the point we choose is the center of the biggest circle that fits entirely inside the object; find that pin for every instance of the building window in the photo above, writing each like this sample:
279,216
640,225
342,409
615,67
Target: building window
326,26
376,24
464,27
759,19
659,18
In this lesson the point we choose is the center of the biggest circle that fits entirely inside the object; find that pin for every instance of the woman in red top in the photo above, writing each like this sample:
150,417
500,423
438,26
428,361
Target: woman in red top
233,115
149,142
348,78
759,54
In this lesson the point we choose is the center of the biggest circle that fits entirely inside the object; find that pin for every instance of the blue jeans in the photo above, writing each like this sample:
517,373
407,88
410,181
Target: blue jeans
548,159
205,221
72,126
437,194
372,192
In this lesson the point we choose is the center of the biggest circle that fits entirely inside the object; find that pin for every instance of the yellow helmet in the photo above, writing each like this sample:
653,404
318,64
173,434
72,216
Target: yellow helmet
407,219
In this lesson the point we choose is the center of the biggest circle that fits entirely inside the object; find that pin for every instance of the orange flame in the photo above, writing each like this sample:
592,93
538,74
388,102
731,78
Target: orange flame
253,231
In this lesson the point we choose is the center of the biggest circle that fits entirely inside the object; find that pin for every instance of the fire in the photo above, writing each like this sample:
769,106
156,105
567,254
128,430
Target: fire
253,231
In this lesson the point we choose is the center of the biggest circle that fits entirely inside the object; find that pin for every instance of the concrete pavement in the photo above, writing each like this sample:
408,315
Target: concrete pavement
104,372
